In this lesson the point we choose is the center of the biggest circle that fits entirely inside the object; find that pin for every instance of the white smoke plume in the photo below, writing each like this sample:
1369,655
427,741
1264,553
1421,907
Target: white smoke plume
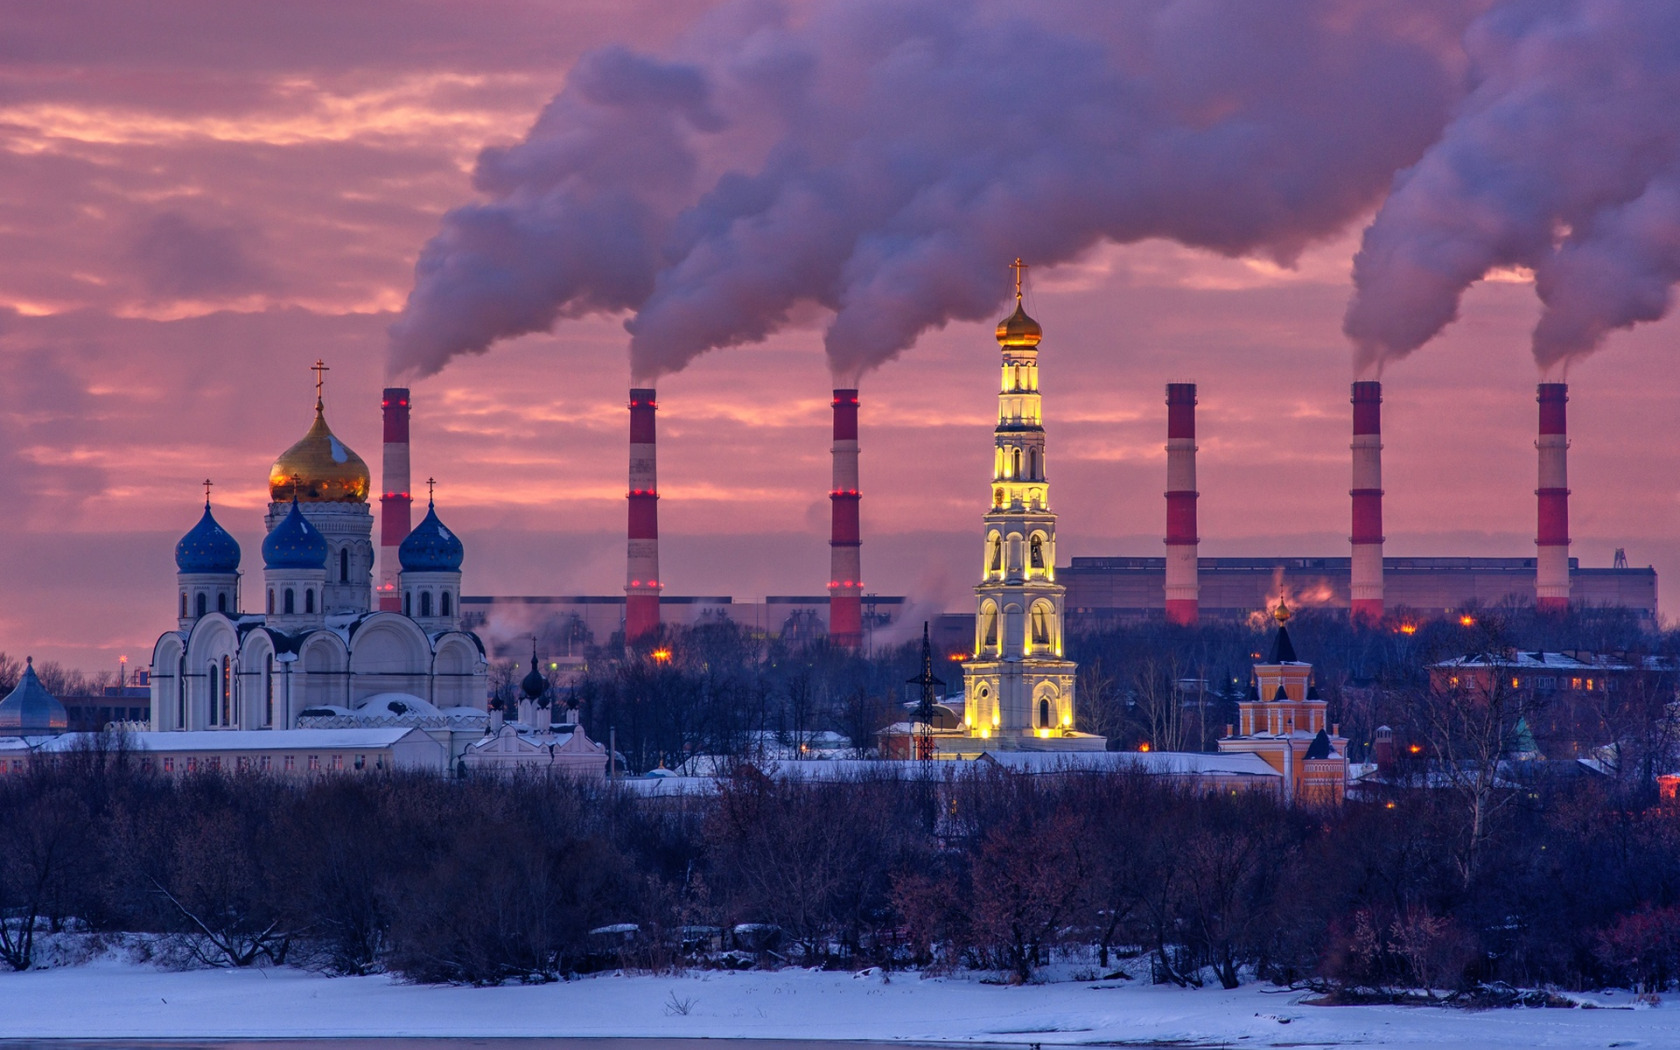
1564,159
884,159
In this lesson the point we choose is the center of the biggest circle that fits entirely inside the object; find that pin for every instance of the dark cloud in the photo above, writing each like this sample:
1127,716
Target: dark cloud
1564,159
177,257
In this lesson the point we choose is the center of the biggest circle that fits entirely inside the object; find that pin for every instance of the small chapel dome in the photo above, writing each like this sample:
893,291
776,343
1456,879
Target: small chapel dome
431,547
295,544
534,685
1018,329
327,471
208,548
31,709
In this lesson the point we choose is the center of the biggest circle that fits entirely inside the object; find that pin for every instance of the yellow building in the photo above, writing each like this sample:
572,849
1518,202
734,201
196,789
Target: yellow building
1283,722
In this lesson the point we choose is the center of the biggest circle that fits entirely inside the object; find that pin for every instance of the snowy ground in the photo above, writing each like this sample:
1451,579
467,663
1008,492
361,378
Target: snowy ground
109,999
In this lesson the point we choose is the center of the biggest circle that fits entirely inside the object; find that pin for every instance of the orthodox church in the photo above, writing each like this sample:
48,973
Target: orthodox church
315,652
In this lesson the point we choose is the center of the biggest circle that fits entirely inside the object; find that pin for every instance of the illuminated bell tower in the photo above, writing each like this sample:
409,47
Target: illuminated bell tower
1017,688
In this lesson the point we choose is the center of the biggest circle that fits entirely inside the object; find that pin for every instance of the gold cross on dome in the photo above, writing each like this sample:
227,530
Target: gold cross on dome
1020,269
207,484
319,368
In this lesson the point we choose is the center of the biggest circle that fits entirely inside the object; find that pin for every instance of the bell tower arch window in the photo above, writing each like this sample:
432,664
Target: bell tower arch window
203,603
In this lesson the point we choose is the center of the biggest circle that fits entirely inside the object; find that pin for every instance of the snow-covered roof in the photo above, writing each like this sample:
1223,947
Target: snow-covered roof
1540,660
245,740
1156,763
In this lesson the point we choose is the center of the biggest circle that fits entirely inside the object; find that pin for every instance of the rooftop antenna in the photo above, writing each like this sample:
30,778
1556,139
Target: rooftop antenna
1620,560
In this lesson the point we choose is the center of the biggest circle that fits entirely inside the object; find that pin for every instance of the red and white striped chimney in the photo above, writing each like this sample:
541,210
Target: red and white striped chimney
1551,563
1366,575
397,501
845,545
642,587
1182,585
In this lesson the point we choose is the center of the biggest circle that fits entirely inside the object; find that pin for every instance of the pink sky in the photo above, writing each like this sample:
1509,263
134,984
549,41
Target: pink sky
199,199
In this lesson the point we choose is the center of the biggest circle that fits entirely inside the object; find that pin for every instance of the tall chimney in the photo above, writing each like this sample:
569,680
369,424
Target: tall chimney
1182,586
1551,563
642,587
396,502
845,547
1366,576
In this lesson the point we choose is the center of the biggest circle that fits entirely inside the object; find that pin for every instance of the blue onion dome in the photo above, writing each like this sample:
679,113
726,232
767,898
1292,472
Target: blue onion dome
207,548
431,547
295,544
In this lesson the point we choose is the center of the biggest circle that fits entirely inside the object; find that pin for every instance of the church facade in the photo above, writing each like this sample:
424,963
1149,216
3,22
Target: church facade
315,650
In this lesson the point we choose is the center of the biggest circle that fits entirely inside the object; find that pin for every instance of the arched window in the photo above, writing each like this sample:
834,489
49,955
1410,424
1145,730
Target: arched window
227,692
1041,624
212,687
425,603
1038,552
291,604
344,565
1015,463
995,562
1033,465
408,604
989,629
1044,713
271,601
309,599
221,603
183,605
443,602
203,603
268,691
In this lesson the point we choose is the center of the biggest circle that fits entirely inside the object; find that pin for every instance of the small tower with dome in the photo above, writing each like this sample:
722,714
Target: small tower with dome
29,710
330,483
206,570
431,559
294,572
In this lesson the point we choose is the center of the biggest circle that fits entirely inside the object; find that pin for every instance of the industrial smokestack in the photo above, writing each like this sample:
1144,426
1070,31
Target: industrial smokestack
396,502
642,587
1182,586
845,555
1367,492
1551,564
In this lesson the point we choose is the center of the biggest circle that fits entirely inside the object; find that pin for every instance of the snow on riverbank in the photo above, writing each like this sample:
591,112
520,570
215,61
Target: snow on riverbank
112,999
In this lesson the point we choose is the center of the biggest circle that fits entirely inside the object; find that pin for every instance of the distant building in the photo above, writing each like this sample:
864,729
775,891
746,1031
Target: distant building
1105,591
570,625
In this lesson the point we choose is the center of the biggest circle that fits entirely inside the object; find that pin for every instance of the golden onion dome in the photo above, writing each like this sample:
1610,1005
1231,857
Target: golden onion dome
326,469
1018,329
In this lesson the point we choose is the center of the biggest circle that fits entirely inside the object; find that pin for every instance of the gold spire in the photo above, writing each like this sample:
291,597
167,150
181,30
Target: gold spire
1018,329
319,468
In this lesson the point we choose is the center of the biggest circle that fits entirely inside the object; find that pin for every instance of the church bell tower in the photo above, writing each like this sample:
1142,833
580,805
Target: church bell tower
1018,690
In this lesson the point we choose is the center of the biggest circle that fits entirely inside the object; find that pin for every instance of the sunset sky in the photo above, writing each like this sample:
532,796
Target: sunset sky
198,199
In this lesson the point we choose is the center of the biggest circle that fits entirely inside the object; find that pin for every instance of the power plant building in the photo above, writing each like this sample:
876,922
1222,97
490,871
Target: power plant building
1103,591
